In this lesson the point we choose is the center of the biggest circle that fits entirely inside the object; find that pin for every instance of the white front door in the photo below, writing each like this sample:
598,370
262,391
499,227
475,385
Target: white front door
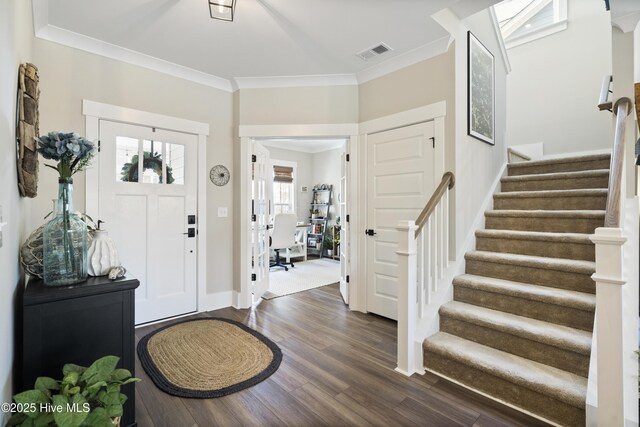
344,226
149,209
400,180
262,184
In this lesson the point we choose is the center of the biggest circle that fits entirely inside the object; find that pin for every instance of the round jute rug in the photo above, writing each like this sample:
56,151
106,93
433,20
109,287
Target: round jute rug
208,357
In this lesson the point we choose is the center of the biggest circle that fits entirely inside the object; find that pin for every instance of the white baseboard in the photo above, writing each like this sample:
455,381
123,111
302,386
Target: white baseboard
215,301
478,223
576,154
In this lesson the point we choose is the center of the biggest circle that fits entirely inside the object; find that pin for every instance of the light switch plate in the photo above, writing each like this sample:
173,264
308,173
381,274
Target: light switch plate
223,212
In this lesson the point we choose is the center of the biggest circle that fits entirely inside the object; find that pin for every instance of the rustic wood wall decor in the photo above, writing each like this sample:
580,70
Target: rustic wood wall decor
637,93
27,129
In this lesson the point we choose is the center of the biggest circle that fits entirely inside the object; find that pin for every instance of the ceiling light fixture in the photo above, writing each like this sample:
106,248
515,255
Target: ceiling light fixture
222,9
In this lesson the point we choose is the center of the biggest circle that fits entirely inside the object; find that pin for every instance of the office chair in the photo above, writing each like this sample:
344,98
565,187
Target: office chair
283,237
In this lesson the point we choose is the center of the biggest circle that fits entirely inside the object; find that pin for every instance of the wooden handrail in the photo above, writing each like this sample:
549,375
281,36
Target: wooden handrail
448,181
622,109
603,103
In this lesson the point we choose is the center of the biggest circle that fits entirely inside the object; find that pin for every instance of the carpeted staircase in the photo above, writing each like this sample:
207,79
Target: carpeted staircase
519,328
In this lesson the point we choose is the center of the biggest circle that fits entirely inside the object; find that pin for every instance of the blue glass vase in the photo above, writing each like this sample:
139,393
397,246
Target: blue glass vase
65,242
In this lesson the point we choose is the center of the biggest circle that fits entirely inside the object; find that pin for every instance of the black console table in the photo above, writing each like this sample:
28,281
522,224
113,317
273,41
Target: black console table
78,324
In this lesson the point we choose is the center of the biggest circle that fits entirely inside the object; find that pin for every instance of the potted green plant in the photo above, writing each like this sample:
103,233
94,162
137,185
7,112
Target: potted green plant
84,397
328,242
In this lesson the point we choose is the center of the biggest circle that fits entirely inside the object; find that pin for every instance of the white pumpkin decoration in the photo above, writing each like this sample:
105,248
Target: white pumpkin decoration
102,254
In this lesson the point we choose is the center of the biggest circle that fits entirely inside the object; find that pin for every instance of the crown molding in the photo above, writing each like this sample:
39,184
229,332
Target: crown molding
43,30
503,48
295,81
419,54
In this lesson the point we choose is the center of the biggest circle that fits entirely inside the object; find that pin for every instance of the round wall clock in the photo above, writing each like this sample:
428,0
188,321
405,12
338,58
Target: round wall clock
219,175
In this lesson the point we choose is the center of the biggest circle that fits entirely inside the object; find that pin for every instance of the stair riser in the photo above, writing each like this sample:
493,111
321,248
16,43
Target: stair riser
522,397
556,184
537,248
541,310
552,225
536,276
564,359
551,203
524,169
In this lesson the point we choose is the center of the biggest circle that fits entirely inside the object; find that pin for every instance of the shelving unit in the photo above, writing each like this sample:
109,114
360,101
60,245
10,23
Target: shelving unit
318,217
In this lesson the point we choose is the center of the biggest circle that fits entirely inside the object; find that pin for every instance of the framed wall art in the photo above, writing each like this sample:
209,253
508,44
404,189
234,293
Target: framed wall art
480,91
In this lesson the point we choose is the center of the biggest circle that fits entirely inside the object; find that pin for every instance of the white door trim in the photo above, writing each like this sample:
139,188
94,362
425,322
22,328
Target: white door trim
249,132
436,112
96,111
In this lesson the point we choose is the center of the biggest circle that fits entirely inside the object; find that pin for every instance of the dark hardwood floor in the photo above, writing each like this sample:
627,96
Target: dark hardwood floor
337,369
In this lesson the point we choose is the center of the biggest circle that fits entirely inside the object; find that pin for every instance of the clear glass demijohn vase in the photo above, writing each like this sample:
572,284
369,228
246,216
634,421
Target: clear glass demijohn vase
65,242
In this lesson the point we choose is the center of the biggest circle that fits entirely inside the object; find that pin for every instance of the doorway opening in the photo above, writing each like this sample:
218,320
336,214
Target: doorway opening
308,199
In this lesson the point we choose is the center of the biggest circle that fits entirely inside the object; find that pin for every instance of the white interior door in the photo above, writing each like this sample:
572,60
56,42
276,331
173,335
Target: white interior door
344,226
400,179
261,199
148,207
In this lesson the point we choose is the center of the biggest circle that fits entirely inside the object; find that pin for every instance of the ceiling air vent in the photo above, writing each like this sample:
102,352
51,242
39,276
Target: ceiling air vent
374,51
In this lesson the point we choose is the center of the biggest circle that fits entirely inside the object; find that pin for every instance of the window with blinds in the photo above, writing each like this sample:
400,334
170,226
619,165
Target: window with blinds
283,189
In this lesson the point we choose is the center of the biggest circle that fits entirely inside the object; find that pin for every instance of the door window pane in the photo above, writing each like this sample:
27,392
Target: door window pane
175,163
152,165
127,159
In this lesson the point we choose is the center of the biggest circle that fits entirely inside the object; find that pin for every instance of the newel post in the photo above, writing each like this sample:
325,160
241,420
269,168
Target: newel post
609,280
407,297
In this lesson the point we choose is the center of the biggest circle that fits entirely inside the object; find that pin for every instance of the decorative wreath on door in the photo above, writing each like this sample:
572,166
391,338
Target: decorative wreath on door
129,171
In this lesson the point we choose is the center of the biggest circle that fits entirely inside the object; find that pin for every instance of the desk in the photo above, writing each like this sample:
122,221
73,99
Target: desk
300,248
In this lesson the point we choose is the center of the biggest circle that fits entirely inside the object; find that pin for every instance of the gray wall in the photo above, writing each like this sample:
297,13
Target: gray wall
313,168
67,76
554,85
15,47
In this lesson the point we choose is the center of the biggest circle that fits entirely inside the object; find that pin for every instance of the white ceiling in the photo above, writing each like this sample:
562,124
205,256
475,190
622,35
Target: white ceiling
304,145
268,37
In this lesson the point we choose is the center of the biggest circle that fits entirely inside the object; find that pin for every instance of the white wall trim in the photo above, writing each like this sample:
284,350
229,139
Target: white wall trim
129,115
295,81
95,111
247,134
556,27
405,118
503,48
215,301
406,59
274,131
45,31
436,112
98,47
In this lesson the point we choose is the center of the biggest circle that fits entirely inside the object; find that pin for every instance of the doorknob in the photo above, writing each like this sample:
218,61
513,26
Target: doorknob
369,232
191,232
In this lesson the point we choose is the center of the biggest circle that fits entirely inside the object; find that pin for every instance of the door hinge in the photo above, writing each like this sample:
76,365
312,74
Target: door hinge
254,158
347,218
254,218
347,278
99,146
433,141
253,277
347,157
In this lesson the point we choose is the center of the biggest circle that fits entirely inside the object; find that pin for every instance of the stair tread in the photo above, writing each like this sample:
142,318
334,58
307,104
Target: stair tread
557,296
516,213
561,385
557,264
582,192
557,175
536,330
561,160
581,238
